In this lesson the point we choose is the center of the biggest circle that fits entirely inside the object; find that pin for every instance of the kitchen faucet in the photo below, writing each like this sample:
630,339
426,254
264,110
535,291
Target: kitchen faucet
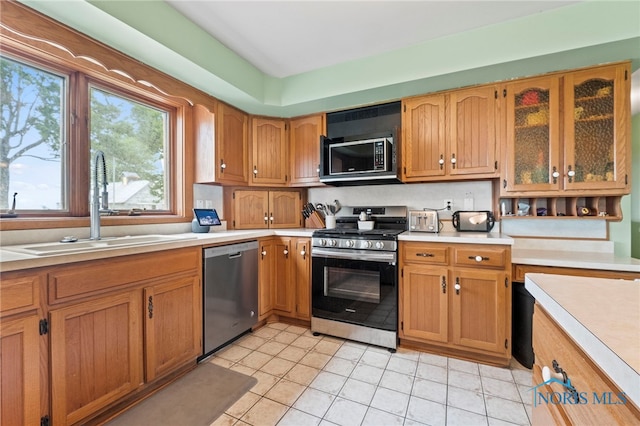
97,206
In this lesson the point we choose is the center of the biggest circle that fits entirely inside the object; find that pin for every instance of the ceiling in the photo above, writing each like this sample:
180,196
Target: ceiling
285,38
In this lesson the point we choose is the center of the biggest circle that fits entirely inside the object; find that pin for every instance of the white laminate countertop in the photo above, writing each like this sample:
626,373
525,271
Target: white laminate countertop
575,259
602,316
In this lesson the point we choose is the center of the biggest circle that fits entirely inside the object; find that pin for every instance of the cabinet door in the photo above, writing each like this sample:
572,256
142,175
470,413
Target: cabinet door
304,148
269,147
285,209
302,277
266,267
172,325
423,135
250,209
20,371
282,284
596,128
533,161
471,132
96,355
423,297
479,309
231,145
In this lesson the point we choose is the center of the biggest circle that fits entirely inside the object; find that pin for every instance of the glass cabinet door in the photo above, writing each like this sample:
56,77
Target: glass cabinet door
533,146
595,129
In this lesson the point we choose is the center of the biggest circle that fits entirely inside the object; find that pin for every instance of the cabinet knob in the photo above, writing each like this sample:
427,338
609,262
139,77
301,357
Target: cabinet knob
285,252
453,160
266,218
571,173
303,253
223,165
457,287
264,252
255,171
441,161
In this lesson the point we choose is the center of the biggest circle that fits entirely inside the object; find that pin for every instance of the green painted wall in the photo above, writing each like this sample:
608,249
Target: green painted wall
635,189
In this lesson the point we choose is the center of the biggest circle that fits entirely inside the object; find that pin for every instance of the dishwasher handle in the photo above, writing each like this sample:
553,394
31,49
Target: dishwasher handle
235,255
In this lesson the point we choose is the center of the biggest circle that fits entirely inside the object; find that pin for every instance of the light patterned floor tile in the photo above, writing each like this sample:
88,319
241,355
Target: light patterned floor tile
224,420
314,402
523,377
367,373
266,332
255,360
397,381
501,389
328,382
349,352
439,360
233,353
251,342
265,382
466,400
402,365
433,391
346,413
296,330
225,363
265,412
391,401
244,404
304,342
295,417
464,380
375,359
464,366
499,373
375,417
278,325
285,337
432,372
277,367
243,369
504,409
341,366
315,359
302,374
272,348
458,417
285,392
291,353
426,412
327,347
355,390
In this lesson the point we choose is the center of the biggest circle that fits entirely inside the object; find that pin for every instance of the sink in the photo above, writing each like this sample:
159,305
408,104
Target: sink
89,245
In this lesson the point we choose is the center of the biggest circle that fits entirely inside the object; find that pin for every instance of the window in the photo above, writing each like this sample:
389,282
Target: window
45,139
133,138
32,137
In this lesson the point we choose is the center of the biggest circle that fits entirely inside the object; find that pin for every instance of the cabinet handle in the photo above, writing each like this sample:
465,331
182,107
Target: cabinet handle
555,174
255,171
504,183
266,218
571,174
286,251
318,170
271,217
222,166
444,284
441,161
457,286
453,161
478,258
561,376
150,307
263,253
303,252
425,254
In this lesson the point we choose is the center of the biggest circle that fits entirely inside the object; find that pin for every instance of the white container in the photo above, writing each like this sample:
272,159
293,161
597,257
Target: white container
366,225
329,221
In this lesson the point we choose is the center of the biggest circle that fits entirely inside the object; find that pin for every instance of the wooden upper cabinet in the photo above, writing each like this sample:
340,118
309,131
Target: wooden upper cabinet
597,144
304,149
533,150
423,133
568,133
269,164
221,145
452,135
285,209
261,209
471,129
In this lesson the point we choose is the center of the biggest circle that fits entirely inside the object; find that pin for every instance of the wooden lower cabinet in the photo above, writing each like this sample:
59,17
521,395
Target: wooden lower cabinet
284,277
550,344
20,383
172,325
23,356
96,354
450,306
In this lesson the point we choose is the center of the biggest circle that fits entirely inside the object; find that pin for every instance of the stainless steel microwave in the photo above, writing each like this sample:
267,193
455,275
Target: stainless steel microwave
372,158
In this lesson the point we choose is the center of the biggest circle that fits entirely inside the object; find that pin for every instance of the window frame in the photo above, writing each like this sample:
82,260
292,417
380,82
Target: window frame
80,73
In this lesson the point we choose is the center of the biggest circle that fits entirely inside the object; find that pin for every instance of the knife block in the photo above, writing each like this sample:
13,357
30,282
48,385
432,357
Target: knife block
314,221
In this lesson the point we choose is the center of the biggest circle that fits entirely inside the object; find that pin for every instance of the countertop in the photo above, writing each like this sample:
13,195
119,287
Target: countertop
457,237
608,332
574,259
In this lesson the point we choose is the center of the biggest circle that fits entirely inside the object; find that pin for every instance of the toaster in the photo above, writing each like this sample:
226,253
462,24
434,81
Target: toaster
424,221
478,221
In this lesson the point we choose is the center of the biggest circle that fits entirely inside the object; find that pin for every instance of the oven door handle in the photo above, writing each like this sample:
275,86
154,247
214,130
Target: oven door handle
364,255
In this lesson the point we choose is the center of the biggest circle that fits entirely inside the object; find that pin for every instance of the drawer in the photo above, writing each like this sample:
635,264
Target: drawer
491,257
19,293
425,253
96,277
551,343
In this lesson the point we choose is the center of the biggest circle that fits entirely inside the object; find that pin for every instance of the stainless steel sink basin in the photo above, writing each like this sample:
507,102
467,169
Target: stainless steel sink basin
89,245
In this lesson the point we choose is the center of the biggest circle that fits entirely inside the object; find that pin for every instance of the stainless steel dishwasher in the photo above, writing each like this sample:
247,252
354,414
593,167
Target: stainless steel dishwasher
230,299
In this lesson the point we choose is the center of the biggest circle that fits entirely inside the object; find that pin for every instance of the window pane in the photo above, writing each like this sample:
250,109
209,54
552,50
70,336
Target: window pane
32,137
133,137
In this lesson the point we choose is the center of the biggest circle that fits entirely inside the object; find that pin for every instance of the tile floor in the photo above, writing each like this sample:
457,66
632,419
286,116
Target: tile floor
323,380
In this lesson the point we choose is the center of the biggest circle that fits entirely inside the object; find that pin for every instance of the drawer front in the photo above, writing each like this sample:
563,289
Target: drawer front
425,253
83,279
481,256
551,343
19,293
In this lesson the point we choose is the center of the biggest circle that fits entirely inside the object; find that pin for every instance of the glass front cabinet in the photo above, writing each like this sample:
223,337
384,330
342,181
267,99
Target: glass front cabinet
569,132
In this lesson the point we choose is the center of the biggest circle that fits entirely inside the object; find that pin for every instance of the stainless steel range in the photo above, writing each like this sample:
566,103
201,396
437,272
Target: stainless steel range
355,276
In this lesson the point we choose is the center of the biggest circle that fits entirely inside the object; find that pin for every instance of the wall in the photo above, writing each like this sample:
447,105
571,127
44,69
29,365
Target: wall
635,193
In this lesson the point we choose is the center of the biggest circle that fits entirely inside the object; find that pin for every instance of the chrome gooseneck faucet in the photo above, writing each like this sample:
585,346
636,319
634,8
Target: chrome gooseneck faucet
97,204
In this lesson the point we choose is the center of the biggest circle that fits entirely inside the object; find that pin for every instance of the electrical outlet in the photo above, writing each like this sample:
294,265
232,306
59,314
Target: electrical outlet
448,204
199,204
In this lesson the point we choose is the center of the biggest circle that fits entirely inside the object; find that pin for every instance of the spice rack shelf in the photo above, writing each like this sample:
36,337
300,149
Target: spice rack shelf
599,207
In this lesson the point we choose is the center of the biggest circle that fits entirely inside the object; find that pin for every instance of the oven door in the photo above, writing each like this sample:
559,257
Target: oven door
355,286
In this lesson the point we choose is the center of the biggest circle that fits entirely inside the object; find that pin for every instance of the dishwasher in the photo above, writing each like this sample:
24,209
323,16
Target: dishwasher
230,293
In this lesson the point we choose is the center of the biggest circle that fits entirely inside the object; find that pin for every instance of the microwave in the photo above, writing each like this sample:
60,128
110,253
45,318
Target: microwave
372,158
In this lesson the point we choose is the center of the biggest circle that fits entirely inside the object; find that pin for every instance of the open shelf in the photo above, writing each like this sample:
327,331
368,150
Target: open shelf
607,207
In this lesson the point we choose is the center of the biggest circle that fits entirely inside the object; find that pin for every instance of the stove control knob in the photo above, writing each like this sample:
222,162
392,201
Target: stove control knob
332,243
367,244
350,243
380,245
322,242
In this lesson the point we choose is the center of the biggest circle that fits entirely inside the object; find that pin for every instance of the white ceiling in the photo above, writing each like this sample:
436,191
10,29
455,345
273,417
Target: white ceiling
284,38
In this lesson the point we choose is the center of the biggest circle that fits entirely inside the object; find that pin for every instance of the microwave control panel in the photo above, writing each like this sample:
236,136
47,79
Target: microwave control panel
378,155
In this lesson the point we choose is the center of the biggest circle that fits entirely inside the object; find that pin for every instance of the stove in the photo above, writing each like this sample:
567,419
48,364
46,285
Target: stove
355,276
